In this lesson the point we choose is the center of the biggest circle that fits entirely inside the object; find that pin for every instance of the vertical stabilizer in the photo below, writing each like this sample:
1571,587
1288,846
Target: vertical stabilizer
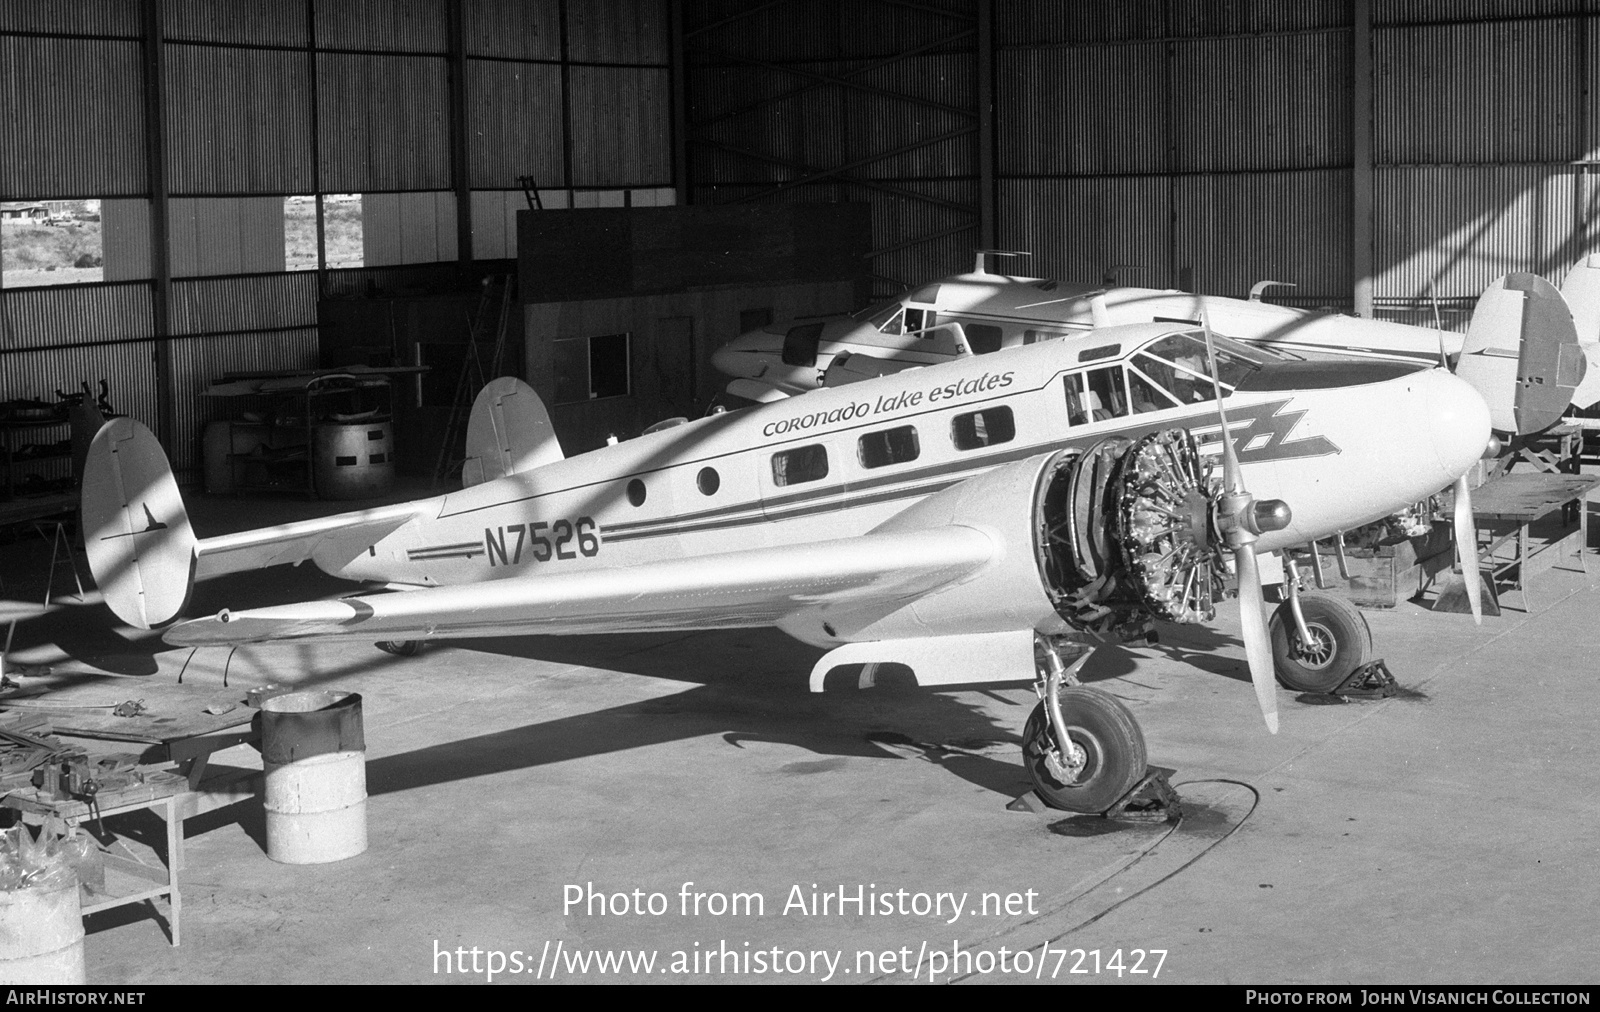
1581,289
509,432
1521,353
135,529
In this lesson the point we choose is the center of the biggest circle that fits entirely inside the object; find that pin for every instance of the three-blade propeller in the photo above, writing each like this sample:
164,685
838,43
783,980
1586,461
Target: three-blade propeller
1240,520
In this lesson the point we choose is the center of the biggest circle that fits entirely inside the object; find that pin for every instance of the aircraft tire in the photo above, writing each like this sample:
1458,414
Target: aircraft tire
1100,725
1344,643
400,648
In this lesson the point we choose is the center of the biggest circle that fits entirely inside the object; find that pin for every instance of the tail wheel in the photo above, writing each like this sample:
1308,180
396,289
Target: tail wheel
1340,643
1112,747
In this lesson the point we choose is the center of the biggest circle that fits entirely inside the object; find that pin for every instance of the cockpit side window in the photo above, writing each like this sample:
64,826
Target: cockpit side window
889,321
1145,395
1188,353
1105,387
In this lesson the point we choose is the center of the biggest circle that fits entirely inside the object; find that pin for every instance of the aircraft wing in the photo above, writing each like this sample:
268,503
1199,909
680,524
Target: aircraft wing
756,587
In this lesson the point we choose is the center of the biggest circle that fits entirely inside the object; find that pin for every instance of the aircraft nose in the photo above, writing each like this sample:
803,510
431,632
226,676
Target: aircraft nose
739,357
1458,419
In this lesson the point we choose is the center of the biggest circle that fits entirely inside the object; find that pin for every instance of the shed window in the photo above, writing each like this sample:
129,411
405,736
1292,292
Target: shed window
801,464
983,428
891,446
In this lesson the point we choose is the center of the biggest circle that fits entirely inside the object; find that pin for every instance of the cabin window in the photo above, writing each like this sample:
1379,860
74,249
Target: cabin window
801,464
920,319
708,481
983,338
636,492
589,368
800,345
891,446
983,428
1095,396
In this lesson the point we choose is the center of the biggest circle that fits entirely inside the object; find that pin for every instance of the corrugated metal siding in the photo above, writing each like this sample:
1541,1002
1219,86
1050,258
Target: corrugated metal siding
1080,112
256,22
824,29
71,17
1078,228
1465,225
1235,230
74,314
407,228
514,123
417,26
221,305
885,122
1417,11
803,129
620,126
198,361
617,31
226,235
1248,17
1026,21
941,239
524,29
129,369
1478,93
238,120
383,123
125,239
1262,103
74,118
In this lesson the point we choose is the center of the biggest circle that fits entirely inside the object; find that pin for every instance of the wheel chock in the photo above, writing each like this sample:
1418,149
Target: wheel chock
1152,799
1370,681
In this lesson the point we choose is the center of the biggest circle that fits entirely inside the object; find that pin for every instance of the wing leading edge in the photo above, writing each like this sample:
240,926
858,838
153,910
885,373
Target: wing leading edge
757,587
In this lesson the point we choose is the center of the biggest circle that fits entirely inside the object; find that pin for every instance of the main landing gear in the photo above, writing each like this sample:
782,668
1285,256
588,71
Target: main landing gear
1323,647
1081,746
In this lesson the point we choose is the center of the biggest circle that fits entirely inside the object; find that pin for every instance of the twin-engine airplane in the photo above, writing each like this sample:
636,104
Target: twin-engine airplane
980,522
1521,352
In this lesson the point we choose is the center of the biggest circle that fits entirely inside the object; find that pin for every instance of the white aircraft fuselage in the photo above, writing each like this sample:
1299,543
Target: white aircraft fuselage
996,311
1343,443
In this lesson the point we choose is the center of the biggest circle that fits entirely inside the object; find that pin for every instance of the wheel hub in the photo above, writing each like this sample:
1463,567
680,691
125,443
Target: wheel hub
1319,652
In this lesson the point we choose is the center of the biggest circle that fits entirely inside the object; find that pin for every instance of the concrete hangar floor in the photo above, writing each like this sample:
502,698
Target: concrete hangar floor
556,803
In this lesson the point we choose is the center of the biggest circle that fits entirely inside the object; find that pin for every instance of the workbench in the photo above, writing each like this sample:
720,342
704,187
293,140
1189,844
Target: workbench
160,790
176,730
1507,507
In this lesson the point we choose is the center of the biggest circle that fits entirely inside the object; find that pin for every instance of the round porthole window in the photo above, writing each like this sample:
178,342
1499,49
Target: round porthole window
709,481
636,492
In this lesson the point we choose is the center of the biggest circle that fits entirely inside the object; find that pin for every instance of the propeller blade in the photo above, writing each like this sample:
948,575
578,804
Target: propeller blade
1257,644
1467,548
1232,480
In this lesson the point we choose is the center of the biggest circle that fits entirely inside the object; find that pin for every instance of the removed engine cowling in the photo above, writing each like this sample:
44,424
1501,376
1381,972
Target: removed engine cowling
1127,532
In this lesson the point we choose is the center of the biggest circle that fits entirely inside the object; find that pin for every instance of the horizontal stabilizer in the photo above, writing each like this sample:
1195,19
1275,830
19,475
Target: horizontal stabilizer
331,541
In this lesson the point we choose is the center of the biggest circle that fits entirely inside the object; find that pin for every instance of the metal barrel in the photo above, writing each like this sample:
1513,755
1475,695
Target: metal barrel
352,460
316,777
